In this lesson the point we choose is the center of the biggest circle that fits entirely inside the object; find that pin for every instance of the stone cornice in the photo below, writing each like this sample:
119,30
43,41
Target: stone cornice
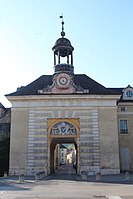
62,97
55,101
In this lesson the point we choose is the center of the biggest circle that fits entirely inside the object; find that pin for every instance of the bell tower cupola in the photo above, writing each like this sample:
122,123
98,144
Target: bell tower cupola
63,77
63,49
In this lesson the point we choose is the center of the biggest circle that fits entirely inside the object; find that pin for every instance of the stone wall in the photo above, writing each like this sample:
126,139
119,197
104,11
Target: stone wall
19,140
30,151
125,140
109,144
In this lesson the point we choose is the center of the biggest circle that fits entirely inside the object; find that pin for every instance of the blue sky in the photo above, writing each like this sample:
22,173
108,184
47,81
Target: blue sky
101,32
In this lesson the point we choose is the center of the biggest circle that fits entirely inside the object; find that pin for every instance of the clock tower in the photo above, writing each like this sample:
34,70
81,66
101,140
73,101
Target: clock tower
63,65
63,77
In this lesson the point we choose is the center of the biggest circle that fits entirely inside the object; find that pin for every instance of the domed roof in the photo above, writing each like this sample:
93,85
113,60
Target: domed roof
63,45
62,42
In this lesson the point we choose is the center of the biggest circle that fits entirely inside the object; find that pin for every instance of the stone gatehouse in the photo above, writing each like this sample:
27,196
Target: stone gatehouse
70,108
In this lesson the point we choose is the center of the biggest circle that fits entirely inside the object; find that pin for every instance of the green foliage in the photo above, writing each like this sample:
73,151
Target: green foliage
71,146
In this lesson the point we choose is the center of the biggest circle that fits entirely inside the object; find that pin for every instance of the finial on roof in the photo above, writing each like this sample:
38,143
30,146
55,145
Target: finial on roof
62,32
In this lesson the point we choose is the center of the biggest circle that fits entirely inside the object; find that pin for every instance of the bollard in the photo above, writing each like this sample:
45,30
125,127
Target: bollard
84,175
39,175
36,176
98,177
21,177
43,174
127,175
5,174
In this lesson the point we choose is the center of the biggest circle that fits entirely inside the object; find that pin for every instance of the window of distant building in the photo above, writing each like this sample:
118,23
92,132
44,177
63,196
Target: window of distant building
122,108
123,126
129,94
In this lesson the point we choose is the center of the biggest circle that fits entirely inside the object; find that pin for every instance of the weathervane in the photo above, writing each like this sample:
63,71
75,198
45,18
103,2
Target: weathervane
62,33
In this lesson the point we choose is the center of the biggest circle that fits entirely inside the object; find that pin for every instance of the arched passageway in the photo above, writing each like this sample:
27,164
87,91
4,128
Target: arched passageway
62,132
71,155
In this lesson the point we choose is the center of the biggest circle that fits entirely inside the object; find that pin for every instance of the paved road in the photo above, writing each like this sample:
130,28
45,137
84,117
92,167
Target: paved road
64,189
66,184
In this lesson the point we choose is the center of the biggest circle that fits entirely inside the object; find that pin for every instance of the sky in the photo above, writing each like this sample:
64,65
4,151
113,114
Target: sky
101,32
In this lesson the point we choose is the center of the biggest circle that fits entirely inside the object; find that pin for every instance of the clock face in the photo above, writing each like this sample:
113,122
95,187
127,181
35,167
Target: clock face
63,80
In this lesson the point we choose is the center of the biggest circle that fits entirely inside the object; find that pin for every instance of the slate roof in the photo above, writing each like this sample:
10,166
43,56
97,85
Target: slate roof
81,80
62,147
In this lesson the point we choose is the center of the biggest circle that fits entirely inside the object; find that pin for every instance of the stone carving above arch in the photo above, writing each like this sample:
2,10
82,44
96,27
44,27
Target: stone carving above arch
63,128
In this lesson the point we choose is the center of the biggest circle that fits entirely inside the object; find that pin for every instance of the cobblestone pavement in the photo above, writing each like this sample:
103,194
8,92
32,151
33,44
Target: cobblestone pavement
66,169
66,184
